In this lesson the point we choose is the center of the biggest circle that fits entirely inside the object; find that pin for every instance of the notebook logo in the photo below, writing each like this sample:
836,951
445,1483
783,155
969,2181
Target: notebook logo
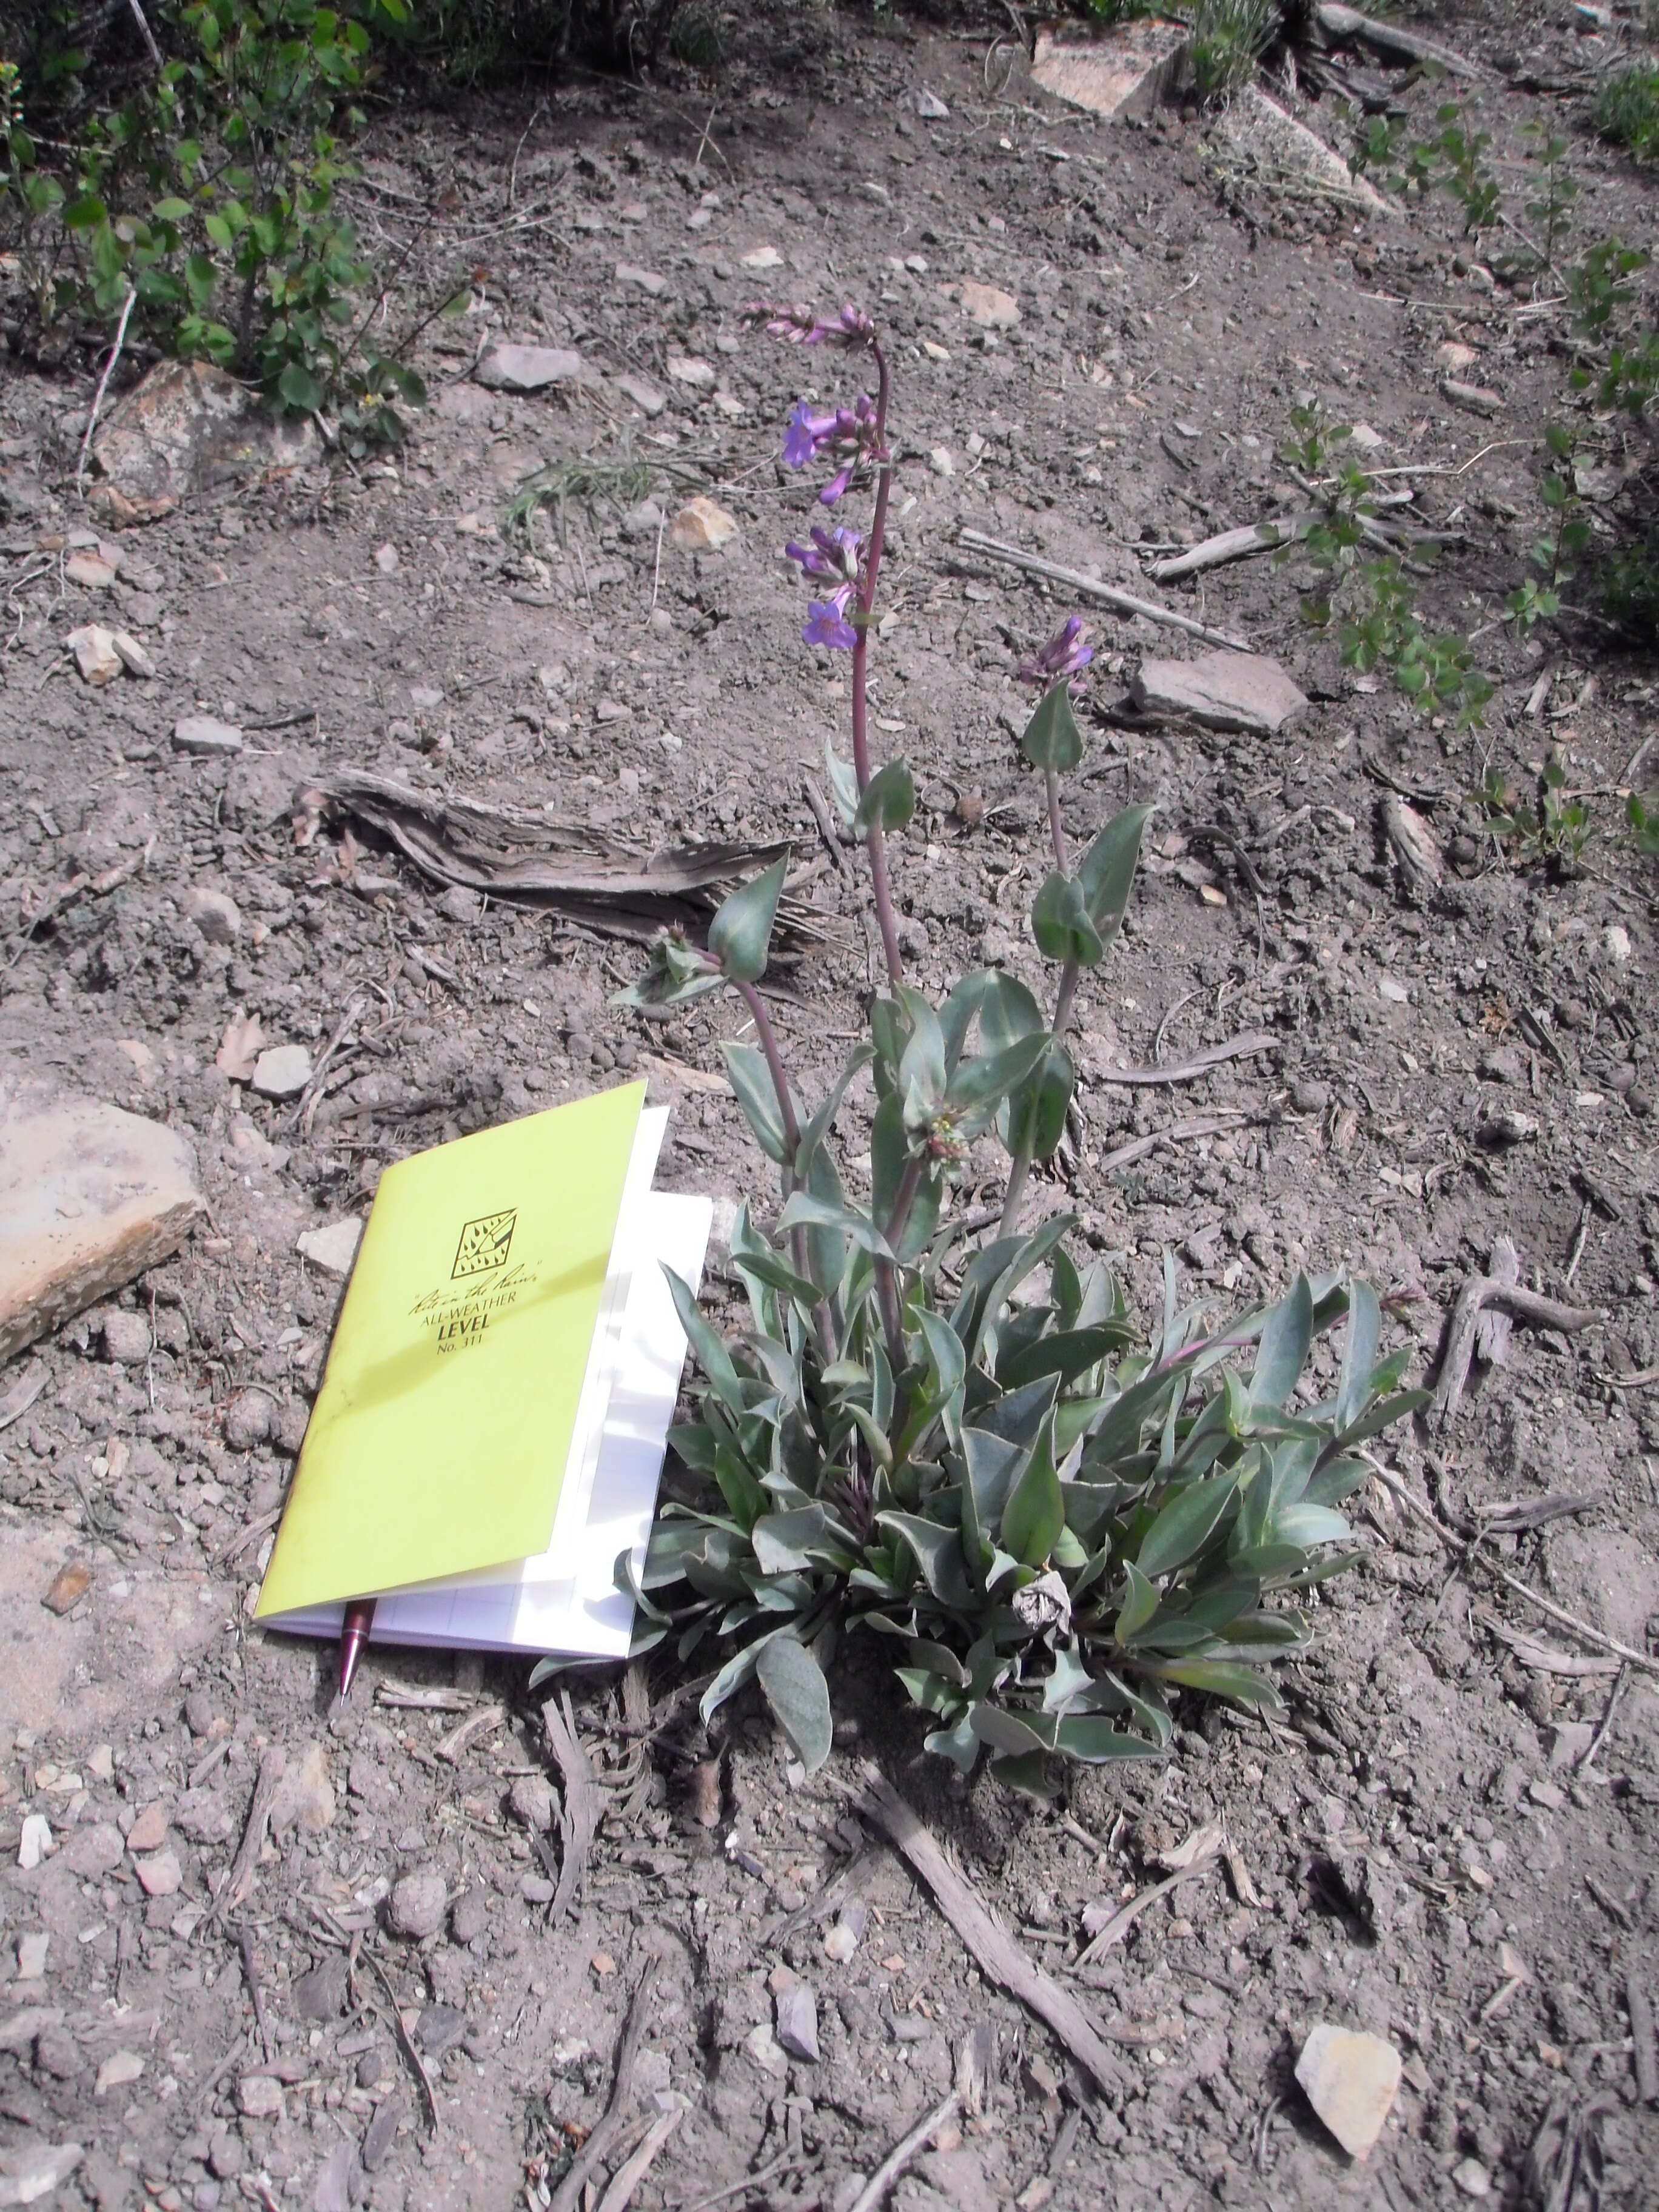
485,1244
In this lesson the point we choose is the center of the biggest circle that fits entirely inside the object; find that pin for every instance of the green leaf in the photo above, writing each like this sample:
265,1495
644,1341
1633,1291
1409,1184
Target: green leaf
1286,1335
786,1543
1223,1677
843,785
750,1078
1087,1737
710,1353
738,1487
1036,1511
1140,1603
1052,738
1107,874
793,1682
1307,1525
740,935
1007,1012
805,1211
921,1064
1359,1352
1060,922
889,800
984,1082
938,1552
1014,1735
1037,1110
1185,1525
85,213
300,389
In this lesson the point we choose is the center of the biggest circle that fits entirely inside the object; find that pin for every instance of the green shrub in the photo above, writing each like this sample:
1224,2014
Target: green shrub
1627,112
1228,39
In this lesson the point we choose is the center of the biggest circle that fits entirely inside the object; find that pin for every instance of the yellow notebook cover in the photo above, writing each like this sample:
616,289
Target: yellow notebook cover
438,1439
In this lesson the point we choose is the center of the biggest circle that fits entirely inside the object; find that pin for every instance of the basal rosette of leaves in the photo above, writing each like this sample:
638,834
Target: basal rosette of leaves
948,1435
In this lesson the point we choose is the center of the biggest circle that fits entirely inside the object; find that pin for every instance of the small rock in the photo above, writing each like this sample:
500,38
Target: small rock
935,352
93,1196
117,2070
94,648
1365,440
1393,991
941,461
160,1876
1503,1127
1568,1742
90,570
225,2156
1615,942
333,1249
537,1889
1351,2079
94,1851
527,367
691,369
1452,357
1472,398
1241,691
247,1420
644,520
35,2170
418,1904
205,733
149,1831
641,280
469,1918
321,1994
68,1587
701,526
199,1713
764,2049
840,1943
646,397
386,560
763,256
439,2027
259,2097
34,1841
1471,2179
127,1339
132,655
532,1802
991,309
930,106
32,1951
379,2135
797,2021
216,915
281,1071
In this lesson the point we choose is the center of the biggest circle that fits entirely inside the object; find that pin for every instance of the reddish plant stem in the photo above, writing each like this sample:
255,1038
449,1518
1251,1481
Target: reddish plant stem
875,843
904,1198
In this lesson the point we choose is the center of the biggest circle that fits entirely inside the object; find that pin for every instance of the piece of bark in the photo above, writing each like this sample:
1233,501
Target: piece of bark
629,2174
1524,1305
577,869
998,1955
1239,1047
579,1808
1416,849
272,1767
1493,1327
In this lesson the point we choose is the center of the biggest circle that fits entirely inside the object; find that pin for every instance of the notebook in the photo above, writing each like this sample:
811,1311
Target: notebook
489,1433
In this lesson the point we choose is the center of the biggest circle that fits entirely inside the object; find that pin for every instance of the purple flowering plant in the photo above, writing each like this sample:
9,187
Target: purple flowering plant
942,1429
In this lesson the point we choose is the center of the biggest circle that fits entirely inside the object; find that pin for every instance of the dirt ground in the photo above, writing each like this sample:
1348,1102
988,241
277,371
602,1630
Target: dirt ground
1420,1855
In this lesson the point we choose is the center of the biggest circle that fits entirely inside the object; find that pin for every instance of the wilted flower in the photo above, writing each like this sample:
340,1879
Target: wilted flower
800,326
1063,655
831,553
848,433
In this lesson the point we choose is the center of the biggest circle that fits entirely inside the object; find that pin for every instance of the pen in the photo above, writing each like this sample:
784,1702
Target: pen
353,1634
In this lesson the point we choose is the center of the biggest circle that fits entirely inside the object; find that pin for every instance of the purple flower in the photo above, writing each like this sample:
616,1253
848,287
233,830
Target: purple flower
1063,655
807,434
827,623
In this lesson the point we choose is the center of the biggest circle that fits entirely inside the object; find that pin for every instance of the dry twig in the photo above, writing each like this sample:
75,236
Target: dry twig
121,327
1123,603
875,2189
406,2045
1526,1305
996,1952
1239,1047
568,2193
579,1805
240,1881
629,2174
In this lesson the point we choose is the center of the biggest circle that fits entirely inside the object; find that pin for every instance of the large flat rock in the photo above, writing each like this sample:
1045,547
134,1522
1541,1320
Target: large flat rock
93,1196
186,427
1123,70
1223,690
